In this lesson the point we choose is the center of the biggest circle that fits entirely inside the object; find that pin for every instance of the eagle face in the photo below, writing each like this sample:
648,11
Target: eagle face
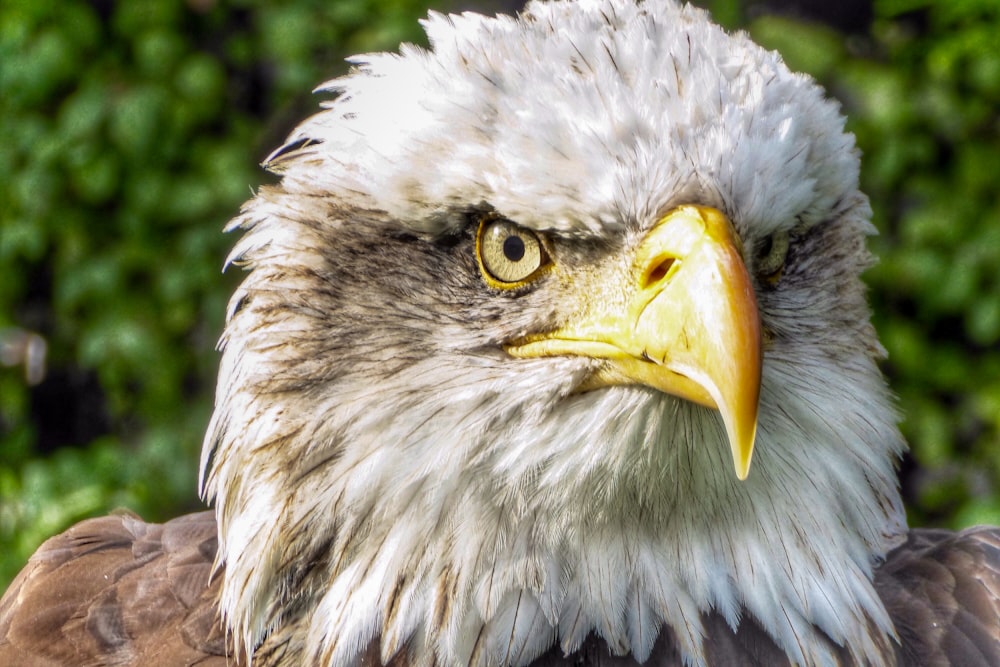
516,317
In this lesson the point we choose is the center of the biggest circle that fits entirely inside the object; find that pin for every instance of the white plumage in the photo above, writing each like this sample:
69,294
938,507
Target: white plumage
521,516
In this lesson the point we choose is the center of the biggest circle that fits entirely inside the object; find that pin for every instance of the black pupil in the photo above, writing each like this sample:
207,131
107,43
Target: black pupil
765,249
513,248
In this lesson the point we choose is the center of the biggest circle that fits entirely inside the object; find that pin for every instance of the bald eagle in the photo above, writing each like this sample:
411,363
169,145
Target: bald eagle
552,350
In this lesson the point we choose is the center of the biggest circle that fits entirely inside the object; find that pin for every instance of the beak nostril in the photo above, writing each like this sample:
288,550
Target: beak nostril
658,272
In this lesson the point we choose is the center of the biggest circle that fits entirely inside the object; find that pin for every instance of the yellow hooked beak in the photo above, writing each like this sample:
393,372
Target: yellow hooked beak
686,324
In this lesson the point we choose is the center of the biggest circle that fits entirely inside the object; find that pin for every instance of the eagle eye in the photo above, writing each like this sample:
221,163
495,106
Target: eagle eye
509,255
771,255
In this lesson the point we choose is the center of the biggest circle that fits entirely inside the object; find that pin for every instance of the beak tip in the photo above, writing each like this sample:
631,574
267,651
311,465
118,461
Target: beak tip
743,454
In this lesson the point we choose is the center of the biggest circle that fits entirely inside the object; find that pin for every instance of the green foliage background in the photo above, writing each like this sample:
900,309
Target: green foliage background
130,132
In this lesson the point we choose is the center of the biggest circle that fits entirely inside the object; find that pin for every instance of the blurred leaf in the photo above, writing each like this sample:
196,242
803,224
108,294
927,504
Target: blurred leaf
129,134
807,47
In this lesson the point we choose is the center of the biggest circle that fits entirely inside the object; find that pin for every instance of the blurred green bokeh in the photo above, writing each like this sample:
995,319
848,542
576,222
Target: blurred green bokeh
130,132
922,95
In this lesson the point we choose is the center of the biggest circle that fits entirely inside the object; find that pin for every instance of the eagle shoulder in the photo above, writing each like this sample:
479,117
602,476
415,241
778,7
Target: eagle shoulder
115,590
942,590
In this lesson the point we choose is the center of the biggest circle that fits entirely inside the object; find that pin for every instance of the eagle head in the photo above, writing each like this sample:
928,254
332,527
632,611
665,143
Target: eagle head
555,329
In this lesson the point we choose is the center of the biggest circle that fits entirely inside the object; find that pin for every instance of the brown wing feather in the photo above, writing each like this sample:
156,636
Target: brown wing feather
942,590
117,591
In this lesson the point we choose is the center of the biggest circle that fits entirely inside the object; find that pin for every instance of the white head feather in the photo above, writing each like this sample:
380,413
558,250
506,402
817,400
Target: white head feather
464,506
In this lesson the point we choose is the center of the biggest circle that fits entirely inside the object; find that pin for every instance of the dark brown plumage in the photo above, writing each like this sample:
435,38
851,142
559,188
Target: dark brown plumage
117,591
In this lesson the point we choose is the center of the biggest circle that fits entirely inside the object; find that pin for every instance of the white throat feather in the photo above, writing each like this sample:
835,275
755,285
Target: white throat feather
385,469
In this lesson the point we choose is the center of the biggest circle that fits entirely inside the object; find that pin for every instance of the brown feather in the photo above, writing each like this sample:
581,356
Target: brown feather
942,590
117,591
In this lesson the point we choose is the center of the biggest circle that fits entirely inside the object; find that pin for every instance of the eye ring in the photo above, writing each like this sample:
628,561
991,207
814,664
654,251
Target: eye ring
771,256
508,255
